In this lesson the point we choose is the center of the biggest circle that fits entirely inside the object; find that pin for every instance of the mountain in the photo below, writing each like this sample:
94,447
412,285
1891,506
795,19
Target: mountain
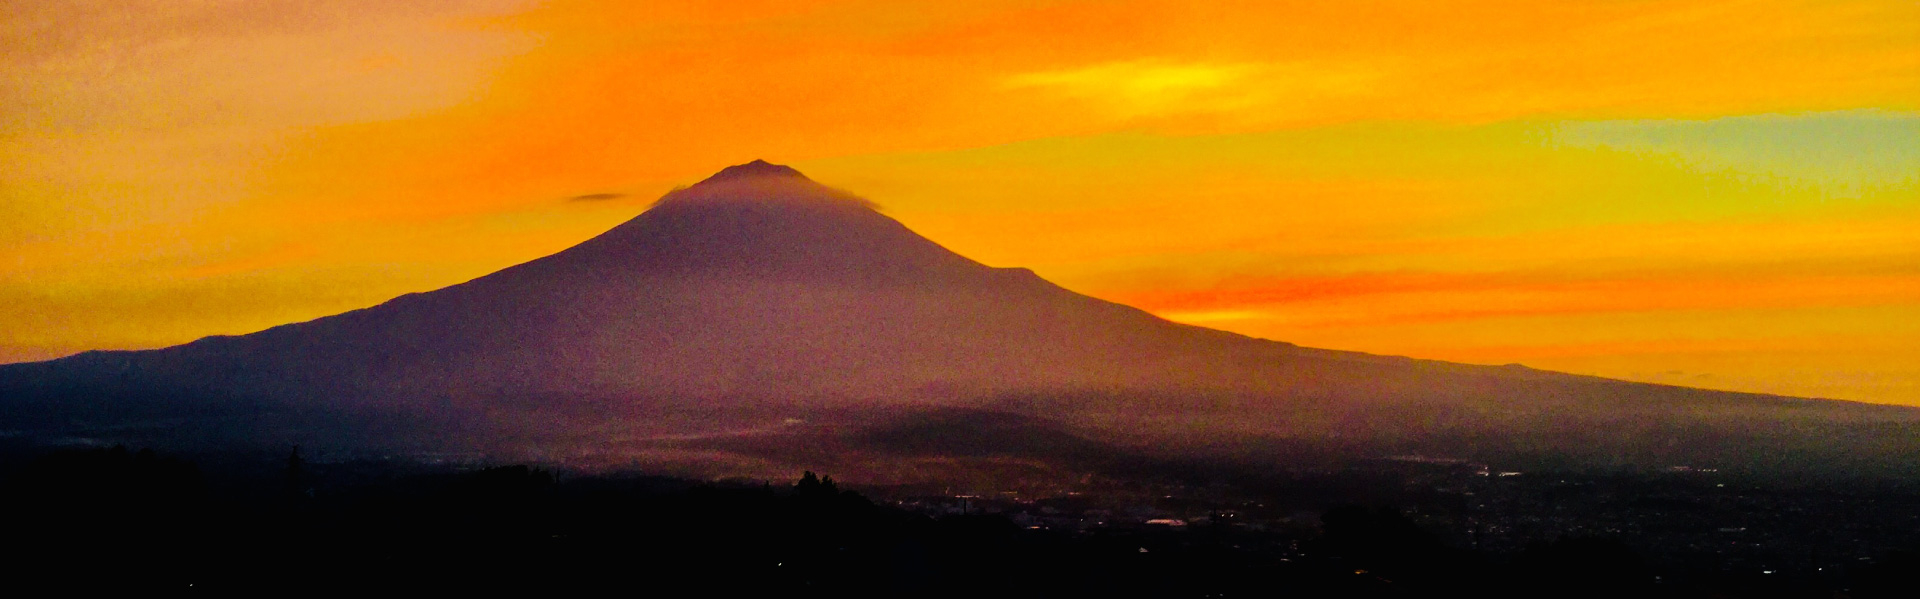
759,296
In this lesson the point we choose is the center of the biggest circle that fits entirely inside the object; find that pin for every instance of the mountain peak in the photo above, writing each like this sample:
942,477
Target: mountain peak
772,221
754,170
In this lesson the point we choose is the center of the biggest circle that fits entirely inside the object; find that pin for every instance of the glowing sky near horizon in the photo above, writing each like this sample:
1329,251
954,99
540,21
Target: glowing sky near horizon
1722,194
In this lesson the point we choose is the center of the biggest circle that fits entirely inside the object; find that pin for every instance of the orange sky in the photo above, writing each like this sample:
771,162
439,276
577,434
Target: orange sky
1722,194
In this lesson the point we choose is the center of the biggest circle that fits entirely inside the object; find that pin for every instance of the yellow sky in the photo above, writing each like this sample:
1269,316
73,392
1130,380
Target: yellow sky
1710,193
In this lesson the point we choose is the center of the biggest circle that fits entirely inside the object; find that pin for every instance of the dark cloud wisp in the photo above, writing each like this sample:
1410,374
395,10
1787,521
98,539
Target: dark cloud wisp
596,197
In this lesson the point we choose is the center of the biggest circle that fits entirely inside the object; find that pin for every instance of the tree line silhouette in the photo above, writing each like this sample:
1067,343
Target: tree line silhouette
119,520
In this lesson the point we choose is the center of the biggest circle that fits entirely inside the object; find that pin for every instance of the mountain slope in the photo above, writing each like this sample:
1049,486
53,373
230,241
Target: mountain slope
761,289
753,283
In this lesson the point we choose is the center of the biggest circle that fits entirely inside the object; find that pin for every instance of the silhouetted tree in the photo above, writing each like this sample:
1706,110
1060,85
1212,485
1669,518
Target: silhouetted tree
296,474
808,486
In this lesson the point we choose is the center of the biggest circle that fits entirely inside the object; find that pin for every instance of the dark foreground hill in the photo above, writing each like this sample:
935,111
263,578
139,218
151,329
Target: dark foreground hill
746,318
120,520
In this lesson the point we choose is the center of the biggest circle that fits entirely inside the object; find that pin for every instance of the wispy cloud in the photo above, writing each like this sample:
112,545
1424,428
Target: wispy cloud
596,197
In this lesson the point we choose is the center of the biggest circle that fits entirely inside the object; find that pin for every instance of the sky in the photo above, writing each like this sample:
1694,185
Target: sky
1721,194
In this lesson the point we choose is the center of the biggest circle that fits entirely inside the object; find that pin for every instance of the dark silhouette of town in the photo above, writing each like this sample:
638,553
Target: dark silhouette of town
120,519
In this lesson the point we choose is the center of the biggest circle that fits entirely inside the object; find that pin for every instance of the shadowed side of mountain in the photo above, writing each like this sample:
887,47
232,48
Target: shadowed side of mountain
761,289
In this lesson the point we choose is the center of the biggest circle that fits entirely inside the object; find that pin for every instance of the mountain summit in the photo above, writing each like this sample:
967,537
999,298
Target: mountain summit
767,220
753,170
761,291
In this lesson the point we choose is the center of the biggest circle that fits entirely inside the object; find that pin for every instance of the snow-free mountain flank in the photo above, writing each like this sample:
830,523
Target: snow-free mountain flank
761,290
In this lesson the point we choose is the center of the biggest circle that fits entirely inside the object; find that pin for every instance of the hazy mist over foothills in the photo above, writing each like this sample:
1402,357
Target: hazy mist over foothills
1043,298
